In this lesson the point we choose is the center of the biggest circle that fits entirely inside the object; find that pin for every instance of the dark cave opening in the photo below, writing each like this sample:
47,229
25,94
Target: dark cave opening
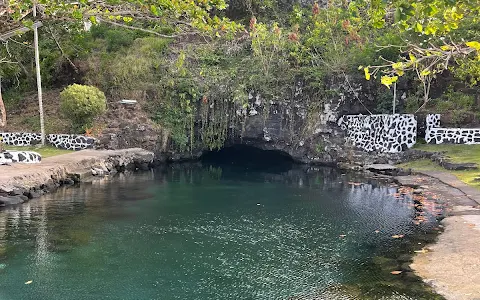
249,158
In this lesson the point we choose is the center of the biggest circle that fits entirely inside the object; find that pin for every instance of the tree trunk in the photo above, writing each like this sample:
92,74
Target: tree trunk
3,112
394,96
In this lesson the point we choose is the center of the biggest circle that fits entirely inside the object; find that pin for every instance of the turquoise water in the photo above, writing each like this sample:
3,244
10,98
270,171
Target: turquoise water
212,232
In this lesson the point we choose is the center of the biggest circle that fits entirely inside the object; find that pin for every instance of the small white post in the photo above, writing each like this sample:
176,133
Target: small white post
39,78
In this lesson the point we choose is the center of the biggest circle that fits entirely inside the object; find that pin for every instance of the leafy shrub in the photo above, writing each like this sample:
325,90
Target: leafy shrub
81,104
115,38
459,107
468,70
412,104
384,102
455,100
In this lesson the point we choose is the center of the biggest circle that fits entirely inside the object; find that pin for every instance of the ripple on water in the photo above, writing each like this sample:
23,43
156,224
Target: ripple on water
167,237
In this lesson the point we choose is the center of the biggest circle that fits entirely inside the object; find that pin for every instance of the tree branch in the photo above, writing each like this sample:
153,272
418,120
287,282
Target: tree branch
61,50
136,28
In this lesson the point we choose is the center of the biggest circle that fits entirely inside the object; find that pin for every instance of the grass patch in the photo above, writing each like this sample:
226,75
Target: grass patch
457,153
45,151
422,165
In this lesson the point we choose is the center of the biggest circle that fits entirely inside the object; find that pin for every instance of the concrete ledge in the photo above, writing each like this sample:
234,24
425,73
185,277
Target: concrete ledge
34,180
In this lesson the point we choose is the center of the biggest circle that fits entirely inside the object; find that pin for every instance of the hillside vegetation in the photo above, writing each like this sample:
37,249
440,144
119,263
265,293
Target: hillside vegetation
269,50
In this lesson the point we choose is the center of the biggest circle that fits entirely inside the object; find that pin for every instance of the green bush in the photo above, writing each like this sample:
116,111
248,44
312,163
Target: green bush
458,107
115,38
81,104
412,104
384,102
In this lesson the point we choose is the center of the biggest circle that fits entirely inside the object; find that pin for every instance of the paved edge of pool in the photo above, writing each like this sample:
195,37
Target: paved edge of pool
21,182
451,265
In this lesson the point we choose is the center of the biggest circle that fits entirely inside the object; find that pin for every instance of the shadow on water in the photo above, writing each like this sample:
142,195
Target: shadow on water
239,224
242,158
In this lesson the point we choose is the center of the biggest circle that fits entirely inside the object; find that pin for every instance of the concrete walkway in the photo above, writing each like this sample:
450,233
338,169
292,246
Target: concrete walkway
452,265
27,176
452,180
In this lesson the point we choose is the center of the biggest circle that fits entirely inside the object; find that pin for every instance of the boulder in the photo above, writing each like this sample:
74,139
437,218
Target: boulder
10,200
33,194
17,192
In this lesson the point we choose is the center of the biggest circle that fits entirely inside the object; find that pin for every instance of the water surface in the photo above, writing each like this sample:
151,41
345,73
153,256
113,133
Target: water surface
212,232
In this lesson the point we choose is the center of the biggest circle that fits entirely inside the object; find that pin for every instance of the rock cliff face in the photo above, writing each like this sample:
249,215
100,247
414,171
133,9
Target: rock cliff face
127,126
301,125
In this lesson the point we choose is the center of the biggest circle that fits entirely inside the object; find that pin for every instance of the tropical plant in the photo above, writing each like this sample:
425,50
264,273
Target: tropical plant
81,104
434,44
186,16
183,16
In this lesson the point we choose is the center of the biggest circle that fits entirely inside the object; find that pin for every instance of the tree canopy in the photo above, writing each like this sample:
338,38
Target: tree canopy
440,35
162,50
182,15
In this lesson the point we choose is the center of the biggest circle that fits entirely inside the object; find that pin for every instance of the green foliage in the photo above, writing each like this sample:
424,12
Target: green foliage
176,112
127,71
384,102
265,9
268,44
438,36
457,106
468,70
319,148
201,90
332,41
195,15
53,124
173,119
453,100
434,17
60,50
81,104
115,38
270,48
412,104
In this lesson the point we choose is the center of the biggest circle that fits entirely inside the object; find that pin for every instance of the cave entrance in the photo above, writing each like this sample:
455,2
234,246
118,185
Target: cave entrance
249,158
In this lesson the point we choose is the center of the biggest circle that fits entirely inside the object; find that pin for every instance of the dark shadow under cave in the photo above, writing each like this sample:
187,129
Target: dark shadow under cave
249,158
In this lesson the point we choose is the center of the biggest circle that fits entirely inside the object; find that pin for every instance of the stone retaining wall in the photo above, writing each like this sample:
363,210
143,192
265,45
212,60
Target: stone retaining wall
381,133
62,141
435,134
26,157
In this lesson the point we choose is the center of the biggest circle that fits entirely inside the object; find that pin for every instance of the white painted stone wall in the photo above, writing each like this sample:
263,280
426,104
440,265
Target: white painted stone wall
380,133
62,141
26,157
435,134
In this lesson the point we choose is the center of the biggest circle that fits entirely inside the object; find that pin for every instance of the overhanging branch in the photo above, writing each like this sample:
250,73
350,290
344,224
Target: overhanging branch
136,28
19,30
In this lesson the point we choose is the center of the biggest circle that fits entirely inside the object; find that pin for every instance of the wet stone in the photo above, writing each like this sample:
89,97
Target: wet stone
10,200
33,194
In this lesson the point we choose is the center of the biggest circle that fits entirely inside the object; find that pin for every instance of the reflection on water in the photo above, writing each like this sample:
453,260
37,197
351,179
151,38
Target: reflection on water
212,232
